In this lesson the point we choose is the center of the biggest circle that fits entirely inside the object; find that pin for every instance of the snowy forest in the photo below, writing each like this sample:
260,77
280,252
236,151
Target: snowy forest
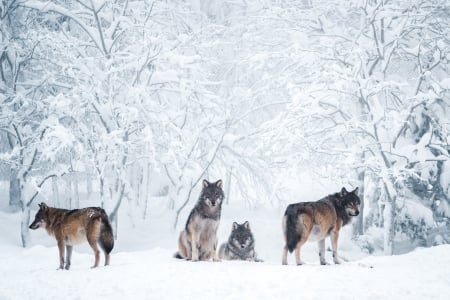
136,101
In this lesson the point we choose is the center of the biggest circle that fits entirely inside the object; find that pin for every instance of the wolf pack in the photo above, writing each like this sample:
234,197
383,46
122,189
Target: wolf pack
301,222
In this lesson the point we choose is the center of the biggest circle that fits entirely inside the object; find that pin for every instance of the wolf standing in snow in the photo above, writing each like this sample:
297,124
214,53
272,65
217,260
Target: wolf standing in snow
71,227
240,245
316,220
198,241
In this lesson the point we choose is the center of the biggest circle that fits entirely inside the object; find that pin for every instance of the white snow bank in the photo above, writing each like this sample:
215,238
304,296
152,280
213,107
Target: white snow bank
154,274
142,267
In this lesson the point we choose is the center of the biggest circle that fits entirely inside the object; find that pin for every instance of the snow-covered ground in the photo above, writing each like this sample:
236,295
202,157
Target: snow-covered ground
142,267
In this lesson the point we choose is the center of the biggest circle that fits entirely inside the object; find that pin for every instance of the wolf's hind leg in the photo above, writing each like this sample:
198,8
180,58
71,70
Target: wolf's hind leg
184,246
92,235
321,244
107,258
298,260
68,256
284,255
93,244
205,255
215,256
300,243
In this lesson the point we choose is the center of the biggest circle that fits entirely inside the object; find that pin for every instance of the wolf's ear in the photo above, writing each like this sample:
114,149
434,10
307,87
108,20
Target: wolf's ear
219,183
234,226
205,183
247,225
43,206
356,191
343,192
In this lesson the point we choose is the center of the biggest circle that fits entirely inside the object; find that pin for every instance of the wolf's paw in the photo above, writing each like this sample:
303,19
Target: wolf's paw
336,261
299,263
324,262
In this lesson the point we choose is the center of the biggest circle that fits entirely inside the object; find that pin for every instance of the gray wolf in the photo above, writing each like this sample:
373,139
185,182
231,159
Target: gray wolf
240,245
198,240
315,221
71,227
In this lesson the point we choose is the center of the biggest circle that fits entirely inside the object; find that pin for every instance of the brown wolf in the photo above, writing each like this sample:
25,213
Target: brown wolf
71,227
316,220
198,240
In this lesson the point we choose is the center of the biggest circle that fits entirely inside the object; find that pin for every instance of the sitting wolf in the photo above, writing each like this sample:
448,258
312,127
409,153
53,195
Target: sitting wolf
198,240
240,245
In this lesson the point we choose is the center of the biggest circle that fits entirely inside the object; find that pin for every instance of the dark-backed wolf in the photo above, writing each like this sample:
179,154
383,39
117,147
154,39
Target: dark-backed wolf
316,220
71,227
240,245
198,240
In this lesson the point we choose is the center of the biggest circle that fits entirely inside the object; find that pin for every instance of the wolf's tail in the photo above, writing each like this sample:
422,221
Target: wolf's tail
106,240
292,236
178,255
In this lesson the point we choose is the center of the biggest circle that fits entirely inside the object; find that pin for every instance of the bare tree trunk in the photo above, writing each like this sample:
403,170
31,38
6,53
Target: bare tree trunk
114,216
193,184
55,192
228,185
24,232
69,193
359,224
177,216
14,190
137,180
146,194
76,192
389,224
89,186
102,191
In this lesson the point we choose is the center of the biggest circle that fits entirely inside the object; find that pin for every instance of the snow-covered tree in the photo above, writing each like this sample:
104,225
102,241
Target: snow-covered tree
376,105
145,98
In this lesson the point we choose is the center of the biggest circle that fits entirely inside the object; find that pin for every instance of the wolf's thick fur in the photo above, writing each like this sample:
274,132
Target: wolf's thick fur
305,221
198,241
71,227
240,245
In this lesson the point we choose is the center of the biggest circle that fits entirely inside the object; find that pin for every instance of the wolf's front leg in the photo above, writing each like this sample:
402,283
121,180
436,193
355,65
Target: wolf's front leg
334,244
216,256
215,253
68,256
194,246
61,248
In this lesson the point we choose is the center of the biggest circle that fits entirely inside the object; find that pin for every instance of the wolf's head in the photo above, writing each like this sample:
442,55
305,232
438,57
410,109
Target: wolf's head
41,217
212,194
241,236
350,201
